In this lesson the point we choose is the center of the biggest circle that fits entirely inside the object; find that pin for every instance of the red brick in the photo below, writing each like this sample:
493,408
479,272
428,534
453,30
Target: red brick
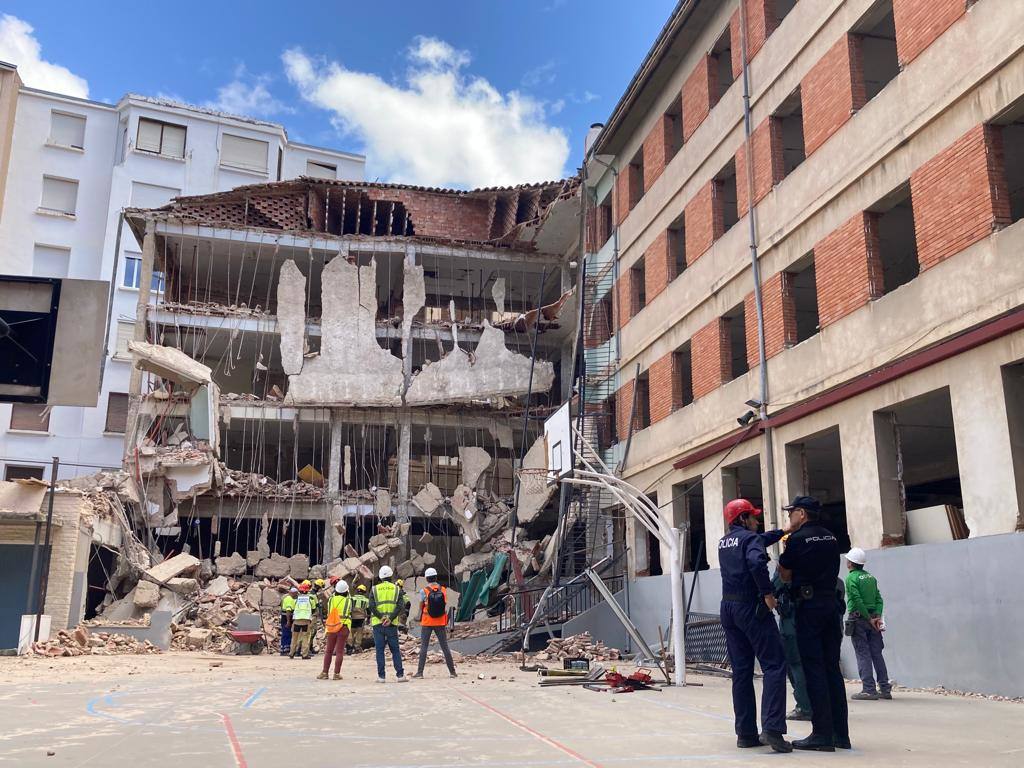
960,196
832,91
920,22
711,357
769,167
659,266
657,150
848,268
761,22
700,94
666,385
628,297
704,218
779,317
623,406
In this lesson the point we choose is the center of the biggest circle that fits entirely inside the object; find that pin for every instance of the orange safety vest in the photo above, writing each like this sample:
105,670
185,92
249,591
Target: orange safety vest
426,620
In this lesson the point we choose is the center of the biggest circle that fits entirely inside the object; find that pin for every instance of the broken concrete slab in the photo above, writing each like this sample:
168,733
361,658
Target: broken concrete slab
174,566
274,567
291,317
198,637
298,567
270,598
378,540
234,565
464,514
254,595
382,503
218,586
169,363
428,499
253,557
182,586
474,462
498,294
404,569
146,595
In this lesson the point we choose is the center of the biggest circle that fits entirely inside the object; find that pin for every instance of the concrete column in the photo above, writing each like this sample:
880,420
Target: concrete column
334,458
404,445
714,523
145,281
983,450
860,478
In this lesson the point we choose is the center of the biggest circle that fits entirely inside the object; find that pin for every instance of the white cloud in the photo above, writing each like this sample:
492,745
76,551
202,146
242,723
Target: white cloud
19,46
439,126
248,95
543,74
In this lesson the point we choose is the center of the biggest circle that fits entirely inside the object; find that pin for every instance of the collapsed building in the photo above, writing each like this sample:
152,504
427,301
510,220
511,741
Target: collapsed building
327,357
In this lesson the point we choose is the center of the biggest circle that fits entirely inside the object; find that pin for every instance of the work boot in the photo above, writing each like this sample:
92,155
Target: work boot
798,714
418,676
322,676
887,695
815,743
864,696
842,743
746,742
337,675
306,658
452,673
776,741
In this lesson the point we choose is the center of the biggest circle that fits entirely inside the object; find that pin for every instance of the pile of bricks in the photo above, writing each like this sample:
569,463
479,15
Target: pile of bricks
81,642
581,646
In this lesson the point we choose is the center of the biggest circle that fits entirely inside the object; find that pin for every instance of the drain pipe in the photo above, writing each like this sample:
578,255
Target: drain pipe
755,267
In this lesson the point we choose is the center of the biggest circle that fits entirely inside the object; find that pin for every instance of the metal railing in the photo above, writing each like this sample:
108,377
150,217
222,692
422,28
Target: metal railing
570,600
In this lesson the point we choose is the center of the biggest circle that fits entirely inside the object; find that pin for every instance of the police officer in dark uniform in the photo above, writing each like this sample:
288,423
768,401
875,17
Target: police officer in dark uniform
750,630
810,565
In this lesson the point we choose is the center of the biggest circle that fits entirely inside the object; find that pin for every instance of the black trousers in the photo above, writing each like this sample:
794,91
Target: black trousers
819,635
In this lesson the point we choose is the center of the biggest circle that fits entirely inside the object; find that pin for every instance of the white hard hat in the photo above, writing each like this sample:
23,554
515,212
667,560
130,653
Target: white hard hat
856,555
341,587
385,572
294,589
430,572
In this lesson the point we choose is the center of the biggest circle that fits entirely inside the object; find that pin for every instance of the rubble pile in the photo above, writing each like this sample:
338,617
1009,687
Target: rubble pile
581,646
236,483
205,625
213,308
82,642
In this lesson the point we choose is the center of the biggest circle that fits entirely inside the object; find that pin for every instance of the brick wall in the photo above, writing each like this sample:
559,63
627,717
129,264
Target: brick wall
659,266
704,220
711,357
769,168
920,22
666,387
761,22
832,91
657,147
779,317
627,187
960,196
700,94
848,268
623,405
627,304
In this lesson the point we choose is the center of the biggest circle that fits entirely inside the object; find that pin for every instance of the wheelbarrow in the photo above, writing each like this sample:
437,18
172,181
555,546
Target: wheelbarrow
248,634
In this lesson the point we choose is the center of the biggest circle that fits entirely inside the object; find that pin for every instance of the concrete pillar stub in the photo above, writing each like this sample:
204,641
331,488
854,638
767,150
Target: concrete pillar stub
714,523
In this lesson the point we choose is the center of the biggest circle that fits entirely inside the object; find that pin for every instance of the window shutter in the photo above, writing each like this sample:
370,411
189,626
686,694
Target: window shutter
174,141
50,262
19,472
67,130
151,195
321,170
31,417
59,195
149,135
240,152
117,412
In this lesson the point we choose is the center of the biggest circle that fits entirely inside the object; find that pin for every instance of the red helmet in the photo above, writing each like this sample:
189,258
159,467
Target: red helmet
738,507
304,587
333,580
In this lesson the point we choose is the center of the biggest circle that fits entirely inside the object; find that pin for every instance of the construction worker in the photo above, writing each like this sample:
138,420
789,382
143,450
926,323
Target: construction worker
864,602
287,606
402,621
360,607
302,621
810,564
434,620
337,625
750,630
385,606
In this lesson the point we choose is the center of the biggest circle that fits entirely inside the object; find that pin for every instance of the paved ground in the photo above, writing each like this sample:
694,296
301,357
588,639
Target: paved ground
177,710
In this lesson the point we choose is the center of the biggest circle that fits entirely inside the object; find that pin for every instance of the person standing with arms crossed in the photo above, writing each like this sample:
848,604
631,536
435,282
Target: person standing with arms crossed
864,602
385,605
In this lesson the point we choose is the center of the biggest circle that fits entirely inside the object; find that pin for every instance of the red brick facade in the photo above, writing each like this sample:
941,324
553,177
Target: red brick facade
960,196
628,297
848,268
920,22
705,221
832,91
700,94
623,405
779,317
712,360
657,150
666,385
659,266
761,22
628,187
769,168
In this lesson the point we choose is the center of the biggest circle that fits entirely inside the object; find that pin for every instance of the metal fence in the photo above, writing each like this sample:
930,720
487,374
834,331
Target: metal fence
705,639
568,601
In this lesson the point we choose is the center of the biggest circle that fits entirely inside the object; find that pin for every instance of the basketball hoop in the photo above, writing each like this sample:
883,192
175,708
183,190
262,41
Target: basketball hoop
534,479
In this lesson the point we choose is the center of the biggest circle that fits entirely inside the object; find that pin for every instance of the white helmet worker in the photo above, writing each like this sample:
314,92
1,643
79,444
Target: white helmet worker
430,573
385,572
341,587
856,556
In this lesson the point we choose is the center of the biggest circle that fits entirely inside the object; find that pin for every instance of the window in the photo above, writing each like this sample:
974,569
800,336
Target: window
897,240
737,321
677,247
782,9
125,333
721,64
67,130
151,195
133,273
50,261
682,377
240,152
30,417
1011,126
877,33
636,178
638,286
674,128
725,195
321,170
20,472
790,119
805,298
117,412
643,402
60,195
160,138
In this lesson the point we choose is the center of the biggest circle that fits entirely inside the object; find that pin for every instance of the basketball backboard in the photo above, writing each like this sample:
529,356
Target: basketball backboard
558,436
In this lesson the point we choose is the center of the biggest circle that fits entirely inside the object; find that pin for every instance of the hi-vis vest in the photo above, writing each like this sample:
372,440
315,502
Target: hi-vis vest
360,603
303,608
339,613
426,620
385,598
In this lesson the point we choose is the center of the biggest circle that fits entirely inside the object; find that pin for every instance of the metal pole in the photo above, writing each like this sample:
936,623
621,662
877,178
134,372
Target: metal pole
678,586
34,569
45,571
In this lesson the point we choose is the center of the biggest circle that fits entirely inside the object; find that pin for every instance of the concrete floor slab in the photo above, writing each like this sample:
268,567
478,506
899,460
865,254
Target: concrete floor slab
248,712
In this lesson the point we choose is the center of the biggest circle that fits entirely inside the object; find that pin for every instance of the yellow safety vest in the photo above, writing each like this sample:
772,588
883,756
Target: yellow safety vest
342,604
385,598
304,607
287,604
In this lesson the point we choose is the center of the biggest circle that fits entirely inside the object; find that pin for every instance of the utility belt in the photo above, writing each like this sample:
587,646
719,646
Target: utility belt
806,592
736,597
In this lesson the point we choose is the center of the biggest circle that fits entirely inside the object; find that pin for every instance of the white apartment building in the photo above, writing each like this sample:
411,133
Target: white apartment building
72,165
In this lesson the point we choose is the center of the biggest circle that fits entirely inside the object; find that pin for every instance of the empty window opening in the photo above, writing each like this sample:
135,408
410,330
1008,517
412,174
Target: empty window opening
688,514
736,320
609,424
805,298
636,179
782,9
682,377
897,240
725,195
1011,125
637,286
742,480
790,118
814,467
653,555
918,472
604,222
673,128
22,472
677,247
102,561
117,412
721,61
643,402
879,60
1013,392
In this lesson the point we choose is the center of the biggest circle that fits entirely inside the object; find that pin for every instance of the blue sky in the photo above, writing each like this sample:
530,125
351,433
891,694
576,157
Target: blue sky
446,93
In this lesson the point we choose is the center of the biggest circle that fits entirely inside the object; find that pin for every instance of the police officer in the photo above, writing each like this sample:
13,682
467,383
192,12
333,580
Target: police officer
810,565
750,630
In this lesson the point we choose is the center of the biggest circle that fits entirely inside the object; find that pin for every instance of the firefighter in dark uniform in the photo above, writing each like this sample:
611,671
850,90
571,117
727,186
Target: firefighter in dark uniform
810,565
750,630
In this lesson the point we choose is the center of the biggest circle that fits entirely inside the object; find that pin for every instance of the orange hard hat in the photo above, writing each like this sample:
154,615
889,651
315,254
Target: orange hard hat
738,507
304,586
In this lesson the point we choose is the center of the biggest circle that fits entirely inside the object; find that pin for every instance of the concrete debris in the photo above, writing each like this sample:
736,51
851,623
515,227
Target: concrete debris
291,317
169,363
581,646
234,565
474,462
80,642
175,566
498,294
218,586
275,567
235,483
428,499
146,595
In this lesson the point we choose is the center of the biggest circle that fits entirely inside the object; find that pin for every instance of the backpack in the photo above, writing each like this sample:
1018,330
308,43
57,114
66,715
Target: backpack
436,603
340,610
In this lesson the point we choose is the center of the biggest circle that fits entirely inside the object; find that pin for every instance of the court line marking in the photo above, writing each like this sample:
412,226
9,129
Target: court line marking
236,748
252,699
